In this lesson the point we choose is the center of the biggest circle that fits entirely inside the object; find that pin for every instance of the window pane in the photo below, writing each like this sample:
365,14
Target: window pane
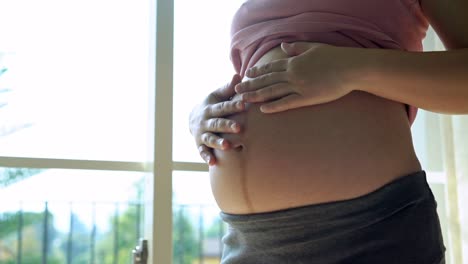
201,62
197,227
60,215
77,76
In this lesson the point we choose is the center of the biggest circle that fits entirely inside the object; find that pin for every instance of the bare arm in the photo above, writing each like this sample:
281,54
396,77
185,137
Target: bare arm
435,81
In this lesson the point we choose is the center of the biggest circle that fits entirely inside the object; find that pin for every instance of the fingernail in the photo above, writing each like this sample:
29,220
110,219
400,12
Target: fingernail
204,156
240,105
235,127
220,142
207,158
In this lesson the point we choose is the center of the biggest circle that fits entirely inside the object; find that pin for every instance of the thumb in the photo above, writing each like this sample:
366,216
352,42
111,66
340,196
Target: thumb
294,49
227,91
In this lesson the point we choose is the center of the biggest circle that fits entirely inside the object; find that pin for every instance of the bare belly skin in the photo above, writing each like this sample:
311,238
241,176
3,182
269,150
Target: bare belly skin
328,152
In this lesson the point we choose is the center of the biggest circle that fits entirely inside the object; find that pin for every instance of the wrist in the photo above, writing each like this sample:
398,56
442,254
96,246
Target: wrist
362,69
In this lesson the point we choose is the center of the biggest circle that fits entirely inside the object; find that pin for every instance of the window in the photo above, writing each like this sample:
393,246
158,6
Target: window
78,76
76,128
49,214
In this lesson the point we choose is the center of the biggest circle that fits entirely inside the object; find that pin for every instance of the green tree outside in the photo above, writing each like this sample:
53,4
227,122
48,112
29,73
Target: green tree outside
185,244
185,241
32,233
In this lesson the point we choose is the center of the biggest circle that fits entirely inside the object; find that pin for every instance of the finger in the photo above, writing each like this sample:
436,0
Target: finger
220,125
285,103
274,66
224,108
268,93
297,48
213,141
262,81
227,91
207,155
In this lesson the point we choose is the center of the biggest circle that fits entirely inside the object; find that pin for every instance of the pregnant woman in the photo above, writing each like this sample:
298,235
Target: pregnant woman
309,146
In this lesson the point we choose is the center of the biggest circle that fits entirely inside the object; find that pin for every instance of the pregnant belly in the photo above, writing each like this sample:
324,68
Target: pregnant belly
334,151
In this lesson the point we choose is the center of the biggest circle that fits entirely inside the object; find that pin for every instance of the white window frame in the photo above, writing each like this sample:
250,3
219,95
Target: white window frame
158,192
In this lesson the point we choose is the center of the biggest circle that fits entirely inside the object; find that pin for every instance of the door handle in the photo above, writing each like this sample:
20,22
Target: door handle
140,253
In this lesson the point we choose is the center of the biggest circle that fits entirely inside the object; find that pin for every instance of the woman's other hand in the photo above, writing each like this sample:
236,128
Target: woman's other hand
207,120
315,73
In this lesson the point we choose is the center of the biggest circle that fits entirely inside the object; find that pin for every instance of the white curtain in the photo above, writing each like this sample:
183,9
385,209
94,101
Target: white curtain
454,133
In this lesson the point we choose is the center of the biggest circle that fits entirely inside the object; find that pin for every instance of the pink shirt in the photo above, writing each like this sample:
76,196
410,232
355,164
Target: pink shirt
260,25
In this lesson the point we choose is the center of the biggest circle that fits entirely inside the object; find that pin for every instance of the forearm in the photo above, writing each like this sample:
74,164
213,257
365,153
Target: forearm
434,81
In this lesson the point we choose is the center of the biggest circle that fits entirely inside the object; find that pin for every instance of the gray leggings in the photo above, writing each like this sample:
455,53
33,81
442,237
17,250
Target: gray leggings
396,223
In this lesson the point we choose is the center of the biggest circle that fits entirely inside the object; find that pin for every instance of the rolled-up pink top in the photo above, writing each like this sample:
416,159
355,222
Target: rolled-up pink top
260,25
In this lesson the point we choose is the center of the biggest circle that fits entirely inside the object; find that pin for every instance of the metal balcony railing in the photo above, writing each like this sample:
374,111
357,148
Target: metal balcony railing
35,236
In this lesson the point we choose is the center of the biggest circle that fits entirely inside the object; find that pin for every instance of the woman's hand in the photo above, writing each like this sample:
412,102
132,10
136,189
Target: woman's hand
206,120
315,74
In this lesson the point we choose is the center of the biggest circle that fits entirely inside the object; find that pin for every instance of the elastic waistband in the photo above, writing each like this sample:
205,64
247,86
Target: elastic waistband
380,203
